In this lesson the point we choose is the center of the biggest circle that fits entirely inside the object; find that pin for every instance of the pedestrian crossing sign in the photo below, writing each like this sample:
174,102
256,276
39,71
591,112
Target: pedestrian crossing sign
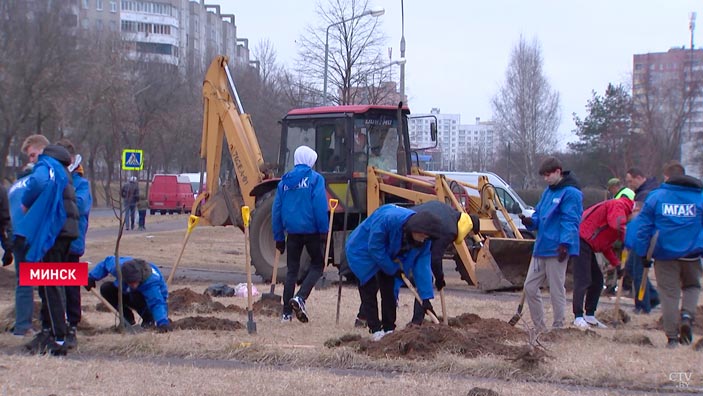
132,160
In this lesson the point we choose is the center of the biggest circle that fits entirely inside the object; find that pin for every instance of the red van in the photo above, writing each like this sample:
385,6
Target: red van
170,193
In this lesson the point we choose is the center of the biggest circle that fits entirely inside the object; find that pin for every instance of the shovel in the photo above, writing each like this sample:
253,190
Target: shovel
445,319
271,296
322,284
645,273
516,318
251,325
192,222
417,297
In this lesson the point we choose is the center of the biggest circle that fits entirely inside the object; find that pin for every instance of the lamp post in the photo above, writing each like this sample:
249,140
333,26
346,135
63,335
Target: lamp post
376,12
400,62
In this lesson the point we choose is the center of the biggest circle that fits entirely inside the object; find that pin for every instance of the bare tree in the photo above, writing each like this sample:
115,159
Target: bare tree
354,47
526,109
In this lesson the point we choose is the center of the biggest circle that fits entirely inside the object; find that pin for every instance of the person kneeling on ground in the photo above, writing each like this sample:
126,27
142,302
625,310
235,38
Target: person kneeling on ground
144,290
375,250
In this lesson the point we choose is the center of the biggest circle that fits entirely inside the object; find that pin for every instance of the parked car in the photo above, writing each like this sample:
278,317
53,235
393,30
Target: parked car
170,194
507,196
194,179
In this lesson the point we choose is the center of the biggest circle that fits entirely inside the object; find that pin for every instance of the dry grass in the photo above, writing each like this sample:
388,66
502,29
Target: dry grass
279,355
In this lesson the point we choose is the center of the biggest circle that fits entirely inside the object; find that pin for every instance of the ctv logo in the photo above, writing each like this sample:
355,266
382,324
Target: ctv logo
53,274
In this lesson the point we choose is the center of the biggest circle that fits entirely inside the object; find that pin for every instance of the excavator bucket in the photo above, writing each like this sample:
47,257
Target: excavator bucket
502,263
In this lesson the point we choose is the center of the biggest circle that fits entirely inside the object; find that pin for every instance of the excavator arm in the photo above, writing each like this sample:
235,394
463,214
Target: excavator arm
225,122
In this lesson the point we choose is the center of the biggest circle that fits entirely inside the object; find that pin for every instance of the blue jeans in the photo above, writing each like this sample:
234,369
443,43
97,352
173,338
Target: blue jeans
24,295
634,267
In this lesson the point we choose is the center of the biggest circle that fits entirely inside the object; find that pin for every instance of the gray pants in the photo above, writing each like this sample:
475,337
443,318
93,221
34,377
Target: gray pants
547,269
674,278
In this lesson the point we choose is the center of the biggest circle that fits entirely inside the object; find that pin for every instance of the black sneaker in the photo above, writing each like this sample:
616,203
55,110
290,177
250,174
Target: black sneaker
71,341
298,306
685,333
56,349
39,342
672,343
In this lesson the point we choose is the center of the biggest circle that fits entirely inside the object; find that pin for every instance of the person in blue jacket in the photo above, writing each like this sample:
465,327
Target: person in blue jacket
300,211
557,217
674,211
144,290
84,201
391,241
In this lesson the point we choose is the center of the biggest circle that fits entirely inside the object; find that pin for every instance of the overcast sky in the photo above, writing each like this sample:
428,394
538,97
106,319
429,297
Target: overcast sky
457,50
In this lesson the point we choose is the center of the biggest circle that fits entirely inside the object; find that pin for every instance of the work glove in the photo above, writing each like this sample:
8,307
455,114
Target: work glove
164,327
526,221
427,306
439,282
91,283
281,246
399,274
620,271
647,263
563,251
7,258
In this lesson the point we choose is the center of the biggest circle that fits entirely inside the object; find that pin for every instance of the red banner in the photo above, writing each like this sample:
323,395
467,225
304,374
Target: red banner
53,274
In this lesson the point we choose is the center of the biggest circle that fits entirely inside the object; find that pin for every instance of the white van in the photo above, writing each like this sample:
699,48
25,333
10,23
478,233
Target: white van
507,196
194,179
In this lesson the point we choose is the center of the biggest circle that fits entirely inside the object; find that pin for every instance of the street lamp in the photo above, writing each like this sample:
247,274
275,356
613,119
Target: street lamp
375,12
399,62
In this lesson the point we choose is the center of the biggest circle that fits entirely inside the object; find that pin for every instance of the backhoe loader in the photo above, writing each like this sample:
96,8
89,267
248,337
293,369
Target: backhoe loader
364,153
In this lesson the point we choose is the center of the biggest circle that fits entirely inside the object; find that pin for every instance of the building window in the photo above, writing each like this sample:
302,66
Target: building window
99,5
113,26
84,23
99,24
86,4
113,6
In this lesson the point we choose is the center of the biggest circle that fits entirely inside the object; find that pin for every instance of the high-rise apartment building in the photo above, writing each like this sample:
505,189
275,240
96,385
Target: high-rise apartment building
459,147
669,78
182,33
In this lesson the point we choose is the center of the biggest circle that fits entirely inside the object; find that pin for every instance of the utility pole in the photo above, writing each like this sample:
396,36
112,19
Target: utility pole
682,142
402,52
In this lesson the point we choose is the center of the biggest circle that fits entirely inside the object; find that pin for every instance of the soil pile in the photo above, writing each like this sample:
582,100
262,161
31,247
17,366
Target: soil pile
7,320
206,323
186,300
267,307
568,333
635,339
468,336
612,318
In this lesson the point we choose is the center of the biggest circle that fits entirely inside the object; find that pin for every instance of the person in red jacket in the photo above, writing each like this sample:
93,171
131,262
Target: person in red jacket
601,225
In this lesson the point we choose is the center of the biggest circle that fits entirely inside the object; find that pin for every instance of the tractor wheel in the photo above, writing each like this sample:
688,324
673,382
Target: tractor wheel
263,247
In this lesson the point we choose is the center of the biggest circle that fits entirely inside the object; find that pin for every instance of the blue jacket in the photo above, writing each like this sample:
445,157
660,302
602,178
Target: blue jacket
675,209
300,206
557,217
376,243
153,288
14,195
43,198
84,201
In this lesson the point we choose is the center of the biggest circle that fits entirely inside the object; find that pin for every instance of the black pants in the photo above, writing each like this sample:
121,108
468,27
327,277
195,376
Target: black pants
132,301
53,313
588,281
295,244
369,303
73,297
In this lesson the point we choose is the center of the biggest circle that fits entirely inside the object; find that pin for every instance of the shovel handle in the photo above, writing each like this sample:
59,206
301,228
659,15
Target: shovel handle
333,206
105,302
417,297
445,319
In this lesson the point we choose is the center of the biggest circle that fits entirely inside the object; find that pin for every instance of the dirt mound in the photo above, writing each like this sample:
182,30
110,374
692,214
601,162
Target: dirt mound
267,307
206,323
612,318
482,392
697,325
635,339
568,333
424,342
7,319
698,346
500,329
184,300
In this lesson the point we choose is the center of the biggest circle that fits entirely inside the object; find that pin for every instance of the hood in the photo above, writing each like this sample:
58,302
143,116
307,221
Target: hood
304,155
424,222
685,181
58,153
567,179
648,185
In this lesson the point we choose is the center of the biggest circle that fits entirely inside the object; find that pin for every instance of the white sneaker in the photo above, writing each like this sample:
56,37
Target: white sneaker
378,335
591,320
286,318
581,323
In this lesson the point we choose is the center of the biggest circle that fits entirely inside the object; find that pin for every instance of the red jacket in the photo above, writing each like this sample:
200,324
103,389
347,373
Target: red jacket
603,224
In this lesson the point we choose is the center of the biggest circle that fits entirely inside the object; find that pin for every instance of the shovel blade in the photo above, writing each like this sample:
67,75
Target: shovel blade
516,318
271,297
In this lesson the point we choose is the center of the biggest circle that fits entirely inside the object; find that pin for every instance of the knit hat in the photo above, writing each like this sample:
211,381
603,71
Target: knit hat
135,270
465,224
613,182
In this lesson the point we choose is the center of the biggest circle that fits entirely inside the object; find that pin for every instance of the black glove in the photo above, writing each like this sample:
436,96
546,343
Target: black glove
399,274
7,258
526,221
620,271
164,328
91,283
439,282
427,306
647,263
281,246
563,253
